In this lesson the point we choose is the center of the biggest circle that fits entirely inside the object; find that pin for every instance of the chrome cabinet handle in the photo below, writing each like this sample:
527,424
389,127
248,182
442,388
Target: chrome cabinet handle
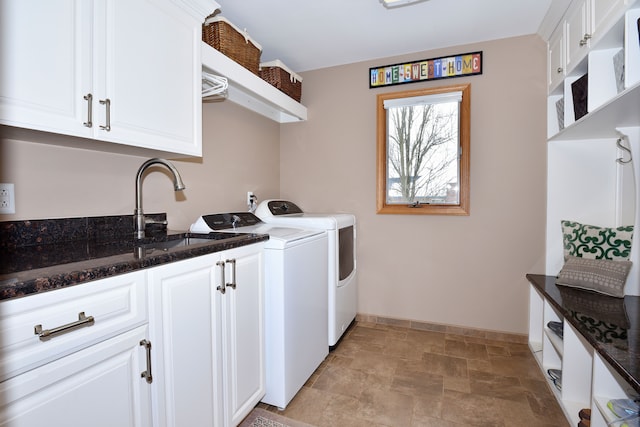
46,334
584,40
89,98
559,70
232,284
221,287
107,103
147,374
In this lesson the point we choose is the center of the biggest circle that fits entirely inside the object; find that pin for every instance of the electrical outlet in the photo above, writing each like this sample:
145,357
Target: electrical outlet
250,197
7,199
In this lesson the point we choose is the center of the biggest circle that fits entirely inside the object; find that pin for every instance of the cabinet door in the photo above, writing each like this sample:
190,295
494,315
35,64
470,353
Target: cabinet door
46,67
556,57
147,64
603,14
100,386
244,324
183,330
577,28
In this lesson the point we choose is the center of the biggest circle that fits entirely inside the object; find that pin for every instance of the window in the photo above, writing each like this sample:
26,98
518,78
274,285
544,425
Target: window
423,151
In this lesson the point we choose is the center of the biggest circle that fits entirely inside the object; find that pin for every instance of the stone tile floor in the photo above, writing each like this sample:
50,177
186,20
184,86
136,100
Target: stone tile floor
381,376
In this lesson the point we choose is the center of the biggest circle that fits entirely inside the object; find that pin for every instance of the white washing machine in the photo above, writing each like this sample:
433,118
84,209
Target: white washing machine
295,300
341,229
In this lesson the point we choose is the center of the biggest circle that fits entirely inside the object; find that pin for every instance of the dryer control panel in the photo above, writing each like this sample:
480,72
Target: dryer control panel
283,207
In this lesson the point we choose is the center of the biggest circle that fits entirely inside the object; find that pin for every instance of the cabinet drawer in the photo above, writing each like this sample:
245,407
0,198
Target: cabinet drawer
116,304
99,386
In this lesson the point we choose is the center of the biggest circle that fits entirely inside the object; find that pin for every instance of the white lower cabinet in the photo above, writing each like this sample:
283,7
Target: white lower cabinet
183,323
110,306
100,386
207,330
181,344
73,357
243,333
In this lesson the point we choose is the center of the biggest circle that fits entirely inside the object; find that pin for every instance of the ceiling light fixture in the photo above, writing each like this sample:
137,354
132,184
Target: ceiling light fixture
396,3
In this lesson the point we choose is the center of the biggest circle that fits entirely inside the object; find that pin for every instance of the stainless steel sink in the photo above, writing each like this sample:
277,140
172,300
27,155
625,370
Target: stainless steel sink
184,240
176,243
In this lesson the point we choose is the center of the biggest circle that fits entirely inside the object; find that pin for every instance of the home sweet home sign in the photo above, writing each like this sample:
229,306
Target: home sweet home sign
466,64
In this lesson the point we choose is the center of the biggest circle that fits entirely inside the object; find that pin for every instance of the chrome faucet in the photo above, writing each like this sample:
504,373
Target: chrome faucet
139,220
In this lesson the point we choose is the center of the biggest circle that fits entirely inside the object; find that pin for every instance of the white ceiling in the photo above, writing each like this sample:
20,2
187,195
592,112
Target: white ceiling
312,34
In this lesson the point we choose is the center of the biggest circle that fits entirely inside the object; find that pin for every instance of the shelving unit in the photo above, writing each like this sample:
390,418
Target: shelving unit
588,379
250,91
585,183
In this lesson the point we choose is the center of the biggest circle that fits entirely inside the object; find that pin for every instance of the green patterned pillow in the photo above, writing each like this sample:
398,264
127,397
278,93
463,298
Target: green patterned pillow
589,241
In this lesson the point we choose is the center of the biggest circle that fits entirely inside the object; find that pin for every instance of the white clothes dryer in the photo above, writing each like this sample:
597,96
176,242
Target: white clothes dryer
295,272
342,279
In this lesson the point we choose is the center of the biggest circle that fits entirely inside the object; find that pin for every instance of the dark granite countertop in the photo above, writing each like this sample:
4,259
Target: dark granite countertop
42,255
610,325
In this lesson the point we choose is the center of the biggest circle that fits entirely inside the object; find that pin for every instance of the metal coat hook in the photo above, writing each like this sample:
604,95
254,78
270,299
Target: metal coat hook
622,147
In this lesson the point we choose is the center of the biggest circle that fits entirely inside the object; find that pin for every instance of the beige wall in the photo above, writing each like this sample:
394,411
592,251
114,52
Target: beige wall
464,271
240,153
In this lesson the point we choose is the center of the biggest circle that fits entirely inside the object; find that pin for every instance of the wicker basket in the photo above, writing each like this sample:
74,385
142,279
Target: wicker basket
222,35
278,75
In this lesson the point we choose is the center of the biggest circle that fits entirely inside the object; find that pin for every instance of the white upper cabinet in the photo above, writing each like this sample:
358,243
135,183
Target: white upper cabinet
585,25
121,72
556,58
603,14
577,34
46,65
147,66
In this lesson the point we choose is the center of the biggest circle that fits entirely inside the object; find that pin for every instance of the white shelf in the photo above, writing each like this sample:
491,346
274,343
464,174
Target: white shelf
556,392
555,340
621,111
571,410
536,350
601,404
608,416
250,91
607,385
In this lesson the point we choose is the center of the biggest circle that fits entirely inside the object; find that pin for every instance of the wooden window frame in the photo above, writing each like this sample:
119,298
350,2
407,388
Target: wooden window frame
462,208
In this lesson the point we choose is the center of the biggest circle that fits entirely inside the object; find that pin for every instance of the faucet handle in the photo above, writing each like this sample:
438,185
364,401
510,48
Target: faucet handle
149,221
